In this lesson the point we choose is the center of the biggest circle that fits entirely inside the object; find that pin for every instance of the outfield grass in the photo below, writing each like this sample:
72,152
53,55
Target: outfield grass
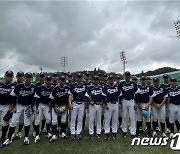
84,145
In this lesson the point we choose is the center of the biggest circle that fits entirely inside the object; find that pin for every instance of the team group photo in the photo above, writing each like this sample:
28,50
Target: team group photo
89,76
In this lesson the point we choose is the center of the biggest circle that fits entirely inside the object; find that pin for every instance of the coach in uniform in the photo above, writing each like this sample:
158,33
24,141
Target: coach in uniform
6,101
128,89
77,105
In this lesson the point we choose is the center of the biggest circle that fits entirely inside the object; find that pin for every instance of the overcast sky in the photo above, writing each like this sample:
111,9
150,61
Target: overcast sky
91,34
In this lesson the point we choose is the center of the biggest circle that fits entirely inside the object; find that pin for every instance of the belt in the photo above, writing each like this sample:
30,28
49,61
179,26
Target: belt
97,103
128,99
78,102
113,102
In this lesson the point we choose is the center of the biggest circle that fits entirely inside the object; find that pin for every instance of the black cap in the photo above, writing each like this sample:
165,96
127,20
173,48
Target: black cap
79,75
111,77
20,74
62,78
148,78
95,77
70,75
143,78
64,73
87,74
9,73
118,77
55,74
165,76
42,74
28,75
48,78
155,79
134,77
173,80
127,73
105,75
99,74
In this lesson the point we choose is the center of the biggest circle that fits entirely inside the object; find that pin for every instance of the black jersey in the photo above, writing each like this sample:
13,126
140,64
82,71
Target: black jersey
95,93
43,93
24,94
38,84
59,96
143,94
166,86
159,94
128,89
78,92
5,96
174,95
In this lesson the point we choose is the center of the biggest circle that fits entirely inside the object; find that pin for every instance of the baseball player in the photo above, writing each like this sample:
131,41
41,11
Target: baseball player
59,103
173,106
112,108
167,85
55,79
158,106
134,79
77,105
148,81
24,93
95,97
128,89
43,107
6,101
20,79
144,100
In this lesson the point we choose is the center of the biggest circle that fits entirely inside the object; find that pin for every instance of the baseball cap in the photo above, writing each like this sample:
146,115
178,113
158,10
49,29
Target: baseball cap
95,77
87,74
48,78
79,75
28,75
62,78
42,74
148,78
70,75
118,77
134,77
155,79
165,76
127,73
99,74
9,73
143,78
173,80
20,74
111,77
105,75
55,74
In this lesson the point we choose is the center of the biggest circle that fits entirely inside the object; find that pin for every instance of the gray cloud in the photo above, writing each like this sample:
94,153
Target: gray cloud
91,34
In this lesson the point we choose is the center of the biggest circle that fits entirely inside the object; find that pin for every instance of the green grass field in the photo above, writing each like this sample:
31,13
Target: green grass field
84,145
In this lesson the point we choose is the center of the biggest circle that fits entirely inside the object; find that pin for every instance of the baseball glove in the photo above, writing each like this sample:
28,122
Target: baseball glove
60,109
29,111
8,116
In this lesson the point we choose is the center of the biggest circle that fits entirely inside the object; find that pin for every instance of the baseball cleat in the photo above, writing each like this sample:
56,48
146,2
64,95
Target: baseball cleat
73,137
124,135
168,131
154,134
13,136
44,130
91,137
5,143
171,135
163,135
107,137
54,137
63,135
37,139
49,135
133,136
79,136
114,136
34,134
19,135
26,141
99,136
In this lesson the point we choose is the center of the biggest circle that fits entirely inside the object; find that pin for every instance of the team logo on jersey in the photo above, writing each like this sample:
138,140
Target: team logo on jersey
26,92
174,144
126,88
96,92
157,92
174,93
79,90
4,91
45,93
112,91
62,93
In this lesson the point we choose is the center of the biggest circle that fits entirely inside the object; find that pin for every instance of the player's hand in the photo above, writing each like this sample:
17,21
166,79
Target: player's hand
56,110
106,107
147,107
92,103
140,106
167,109
135,106
37,111
158,106
70,106
14,109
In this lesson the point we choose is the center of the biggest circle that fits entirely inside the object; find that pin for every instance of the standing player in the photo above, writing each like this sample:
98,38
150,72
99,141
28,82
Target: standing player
43,107
148,81
6,101
111,108
59,103
77,105
173,106
158,106
24,93
128,89
166,85
95,97
55,79
144,100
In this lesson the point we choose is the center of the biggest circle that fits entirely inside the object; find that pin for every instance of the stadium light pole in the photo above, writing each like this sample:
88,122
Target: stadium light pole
177,27
64,62
123,59
41,69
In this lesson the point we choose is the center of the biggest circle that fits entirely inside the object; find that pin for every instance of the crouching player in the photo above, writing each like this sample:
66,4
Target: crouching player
144,99
59,104
173,105
43,107
23,101
95,97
